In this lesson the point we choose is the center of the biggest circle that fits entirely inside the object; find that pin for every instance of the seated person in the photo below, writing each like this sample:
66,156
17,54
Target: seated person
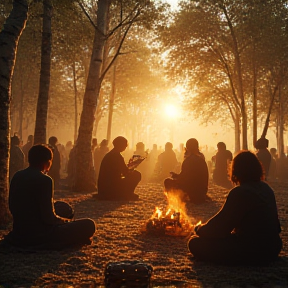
222,159
246,229
193,178
263,155
116,181
35,223
167,161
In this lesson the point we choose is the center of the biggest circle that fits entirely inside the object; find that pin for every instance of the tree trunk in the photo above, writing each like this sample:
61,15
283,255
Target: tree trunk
84,168
237,133
266,126
111,103
280,126
238,68
9,37
75,102
254,99
42,103
20,131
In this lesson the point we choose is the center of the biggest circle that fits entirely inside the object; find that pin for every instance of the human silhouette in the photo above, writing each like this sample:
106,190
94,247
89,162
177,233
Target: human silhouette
222,160
246,229
99,153
194,176
263,154
36,221
167,162
17,157
273,165
116,181
143,168
26,148
54,171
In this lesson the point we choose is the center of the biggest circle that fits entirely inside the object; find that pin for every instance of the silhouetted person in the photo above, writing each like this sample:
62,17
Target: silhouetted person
263,154
144,166
167,162
116,181
99,153
26,148
222,159
273,164
17,157
194,176
36,221
54,171
246,229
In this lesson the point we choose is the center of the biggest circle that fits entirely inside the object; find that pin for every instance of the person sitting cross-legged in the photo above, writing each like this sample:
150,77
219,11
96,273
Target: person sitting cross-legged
246,229
35,220
116,181
193,178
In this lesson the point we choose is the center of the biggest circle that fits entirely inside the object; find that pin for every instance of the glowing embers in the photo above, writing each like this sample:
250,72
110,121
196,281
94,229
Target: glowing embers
170,221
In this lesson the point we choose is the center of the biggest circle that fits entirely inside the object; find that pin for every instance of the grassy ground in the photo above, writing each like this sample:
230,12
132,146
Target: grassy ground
119,237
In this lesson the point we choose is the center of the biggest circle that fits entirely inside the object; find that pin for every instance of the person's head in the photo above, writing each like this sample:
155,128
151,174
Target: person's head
104,143
192,145
168,146
94,142
15,140
154,146
30,138
221,146
40,156
52,140
69,144
140,146
120,143
261,143
246,167
273,151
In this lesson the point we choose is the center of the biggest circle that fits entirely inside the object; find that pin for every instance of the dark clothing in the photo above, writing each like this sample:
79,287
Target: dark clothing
220,173
34,220
25,150
16,162
54,171
264,157
193,179
167,161
245,230
116,181
99,154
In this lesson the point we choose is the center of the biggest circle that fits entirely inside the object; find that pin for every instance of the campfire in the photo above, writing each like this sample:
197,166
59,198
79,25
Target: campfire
171,220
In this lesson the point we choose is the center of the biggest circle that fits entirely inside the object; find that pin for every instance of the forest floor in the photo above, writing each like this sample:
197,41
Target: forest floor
119,237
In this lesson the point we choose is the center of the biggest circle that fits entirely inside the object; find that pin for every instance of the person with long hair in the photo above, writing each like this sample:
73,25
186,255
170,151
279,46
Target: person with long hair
247,228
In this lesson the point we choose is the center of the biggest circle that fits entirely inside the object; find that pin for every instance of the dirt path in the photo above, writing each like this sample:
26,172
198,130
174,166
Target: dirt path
119,237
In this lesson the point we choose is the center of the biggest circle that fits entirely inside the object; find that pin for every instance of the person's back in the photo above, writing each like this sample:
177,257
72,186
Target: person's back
194,177
167,161
26,148
28,188
116,181
54,171
99,153
32,206
263,155
222,158
17,157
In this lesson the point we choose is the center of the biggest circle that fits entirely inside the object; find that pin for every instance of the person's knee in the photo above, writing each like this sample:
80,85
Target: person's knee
193,244
90,226
168,183
137,176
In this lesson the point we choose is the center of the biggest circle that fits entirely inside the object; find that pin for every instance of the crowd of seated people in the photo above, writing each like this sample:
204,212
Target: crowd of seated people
245,230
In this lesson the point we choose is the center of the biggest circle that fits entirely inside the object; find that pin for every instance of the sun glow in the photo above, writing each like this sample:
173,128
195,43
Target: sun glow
171,111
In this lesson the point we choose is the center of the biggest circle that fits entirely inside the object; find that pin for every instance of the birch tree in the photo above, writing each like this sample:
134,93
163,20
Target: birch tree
9,37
